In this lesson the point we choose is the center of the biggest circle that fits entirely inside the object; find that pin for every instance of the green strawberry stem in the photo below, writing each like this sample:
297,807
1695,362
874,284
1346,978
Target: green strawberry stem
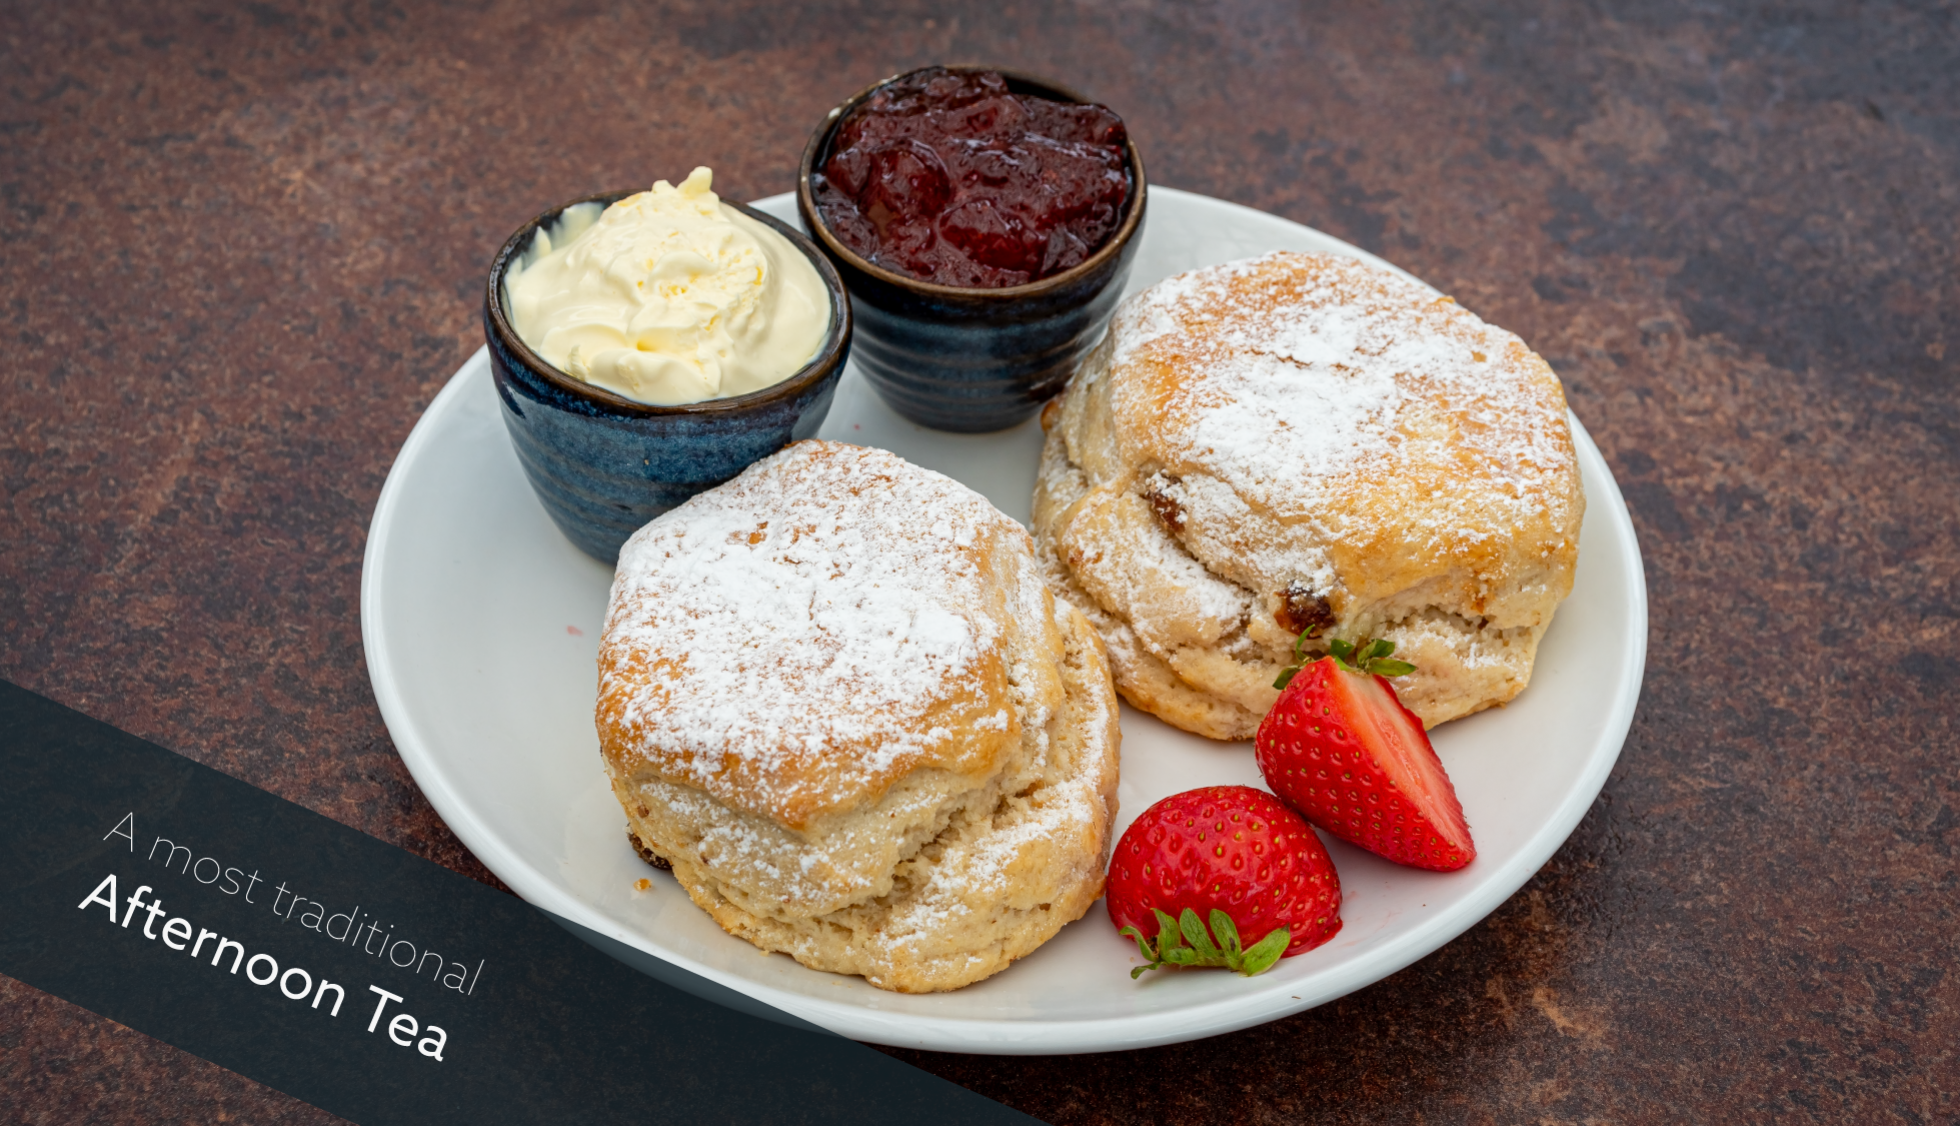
1365,656
1219,947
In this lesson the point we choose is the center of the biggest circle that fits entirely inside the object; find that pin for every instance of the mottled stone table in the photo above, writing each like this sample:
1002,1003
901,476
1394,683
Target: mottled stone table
244,251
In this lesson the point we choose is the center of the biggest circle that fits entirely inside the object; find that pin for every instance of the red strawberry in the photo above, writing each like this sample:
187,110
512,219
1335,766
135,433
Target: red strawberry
1232,854
1340,748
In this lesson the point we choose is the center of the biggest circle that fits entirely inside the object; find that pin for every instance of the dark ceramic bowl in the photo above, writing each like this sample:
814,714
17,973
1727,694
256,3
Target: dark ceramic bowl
604,464
974,359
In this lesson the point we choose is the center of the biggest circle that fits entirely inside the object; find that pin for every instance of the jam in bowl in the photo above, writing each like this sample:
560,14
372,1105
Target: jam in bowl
984,222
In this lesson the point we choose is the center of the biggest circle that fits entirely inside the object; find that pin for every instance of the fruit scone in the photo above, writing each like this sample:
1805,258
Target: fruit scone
836,696
1306,443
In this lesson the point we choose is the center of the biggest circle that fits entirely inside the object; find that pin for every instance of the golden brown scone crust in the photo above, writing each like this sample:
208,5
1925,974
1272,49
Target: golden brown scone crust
1298,438
837,697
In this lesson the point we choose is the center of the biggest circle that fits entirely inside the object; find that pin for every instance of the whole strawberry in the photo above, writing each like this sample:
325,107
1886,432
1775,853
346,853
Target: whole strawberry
1339,747
1230,855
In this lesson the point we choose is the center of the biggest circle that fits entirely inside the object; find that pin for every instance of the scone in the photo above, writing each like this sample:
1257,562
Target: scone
1298,441
837,697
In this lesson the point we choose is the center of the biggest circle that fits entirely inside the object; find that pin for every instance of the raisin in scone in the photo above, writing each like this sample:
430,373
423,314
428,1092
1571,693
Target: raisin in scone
837,697
1306,441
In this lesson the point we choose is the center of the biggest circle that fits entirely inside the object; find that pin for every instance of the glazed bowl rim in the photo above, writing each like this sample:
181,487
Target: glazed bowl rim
837,333
1112,247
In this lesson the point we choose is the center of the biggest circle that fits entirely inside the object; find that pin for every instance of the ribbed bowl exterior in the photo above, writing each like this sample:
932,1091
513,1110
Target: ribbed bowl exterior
602,476
977,366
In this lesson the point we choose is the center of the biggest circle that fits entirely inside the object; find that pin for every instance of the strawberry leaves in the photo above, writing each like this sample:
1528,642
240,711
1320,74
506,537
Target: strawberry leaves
1300,660
1369,656
1219,947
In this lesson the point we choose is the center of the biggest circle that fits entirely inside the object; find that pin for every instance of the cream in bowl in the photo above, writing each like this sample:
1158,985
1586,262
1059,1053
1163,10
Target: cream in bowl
668,297
639,363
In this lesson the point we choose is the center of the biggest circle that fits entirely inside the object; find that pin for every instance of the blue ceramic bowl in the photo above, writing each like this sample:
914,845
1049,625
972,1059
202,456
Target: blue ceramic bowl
604,464
974,359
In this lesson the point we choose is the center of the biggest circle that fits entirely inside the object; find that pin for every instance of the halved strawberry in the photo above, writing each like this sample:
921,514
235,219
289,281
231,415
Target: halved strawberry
1235,856
1340,748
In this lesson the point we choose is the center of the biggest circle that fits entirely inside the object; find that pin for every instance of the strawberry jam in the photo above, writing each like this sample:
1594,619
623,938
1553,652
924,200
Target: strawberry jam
952,178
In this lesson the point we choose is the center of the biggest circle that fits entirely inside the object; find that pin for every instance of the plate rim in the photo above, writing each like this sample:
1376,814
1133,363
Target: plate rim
962,1034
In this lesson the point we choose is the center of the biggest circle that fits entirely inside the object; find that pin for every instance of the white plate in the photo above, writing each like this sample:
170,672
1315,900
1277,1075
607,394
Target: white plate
481,624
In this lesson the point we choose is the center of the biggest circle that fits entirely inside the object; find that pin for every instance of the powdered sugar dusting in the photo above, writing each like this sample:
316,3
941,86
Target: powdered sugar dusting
1293,388
1271,416
799,622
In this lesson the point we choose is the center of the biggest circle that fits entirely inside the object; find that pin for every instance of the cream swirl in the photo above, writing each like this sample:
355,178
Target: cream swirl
669,296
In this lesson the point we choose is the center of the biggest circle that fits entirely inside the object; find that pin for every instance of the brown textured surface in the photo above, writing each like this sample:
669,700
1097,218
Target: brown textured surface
243,254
